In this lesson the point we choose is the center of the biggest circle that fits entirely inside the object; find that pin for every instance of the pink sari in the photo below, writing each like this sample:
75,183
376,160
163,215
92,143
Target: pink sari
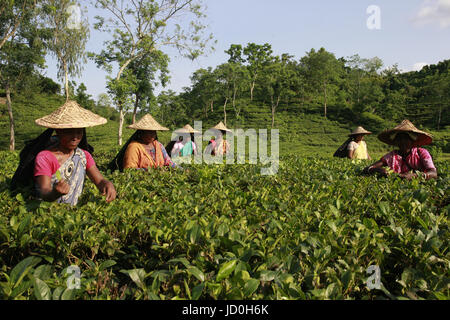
418,159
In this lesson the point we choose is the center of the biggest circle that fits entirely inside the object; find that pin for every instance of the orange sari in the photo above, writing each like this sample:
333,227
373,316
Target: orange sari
137,157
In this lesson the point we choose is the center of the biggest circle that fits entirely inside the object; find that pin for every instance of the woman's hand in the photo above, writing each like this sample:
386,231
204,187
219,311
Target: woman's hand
107,189
61,188
49,192
377,167
407,175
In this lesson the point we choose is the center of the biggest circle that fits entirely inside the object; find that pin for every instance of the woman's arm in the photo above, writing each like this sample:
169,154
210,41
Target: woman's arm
431,174
49,193
104,186
376,167
350,154
351,149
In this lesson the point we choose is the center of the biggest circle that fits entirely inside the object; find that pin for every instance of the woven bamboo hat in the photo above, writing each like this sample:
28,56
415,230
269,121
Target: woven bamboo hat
221,126
70,115
187,129
420,137
359,130
147,123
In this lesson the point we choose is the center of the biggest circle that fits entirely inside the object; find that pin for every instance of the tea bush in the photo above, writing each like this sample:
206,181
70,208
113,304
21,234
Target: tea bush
227,232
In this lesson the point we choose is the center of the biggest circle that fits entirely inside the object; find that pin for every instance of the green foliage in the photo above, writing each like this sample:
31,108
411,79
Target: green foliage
226,232
342,89
68,38
141,31
375,122
48,86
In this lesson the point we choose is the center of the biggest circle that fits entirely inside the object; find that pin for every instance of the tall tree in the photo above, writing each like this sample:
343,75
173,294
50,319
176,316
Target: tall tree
70,34
144,70
12,14
19,57
170,108
225,79
144,26
356,64
437,97
278,81
257,58
236,75
322,69
205,88
83,98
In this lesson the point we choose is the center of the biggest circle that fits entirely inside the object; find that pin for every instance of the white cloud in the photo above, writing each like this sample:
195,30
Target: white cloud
434,11
419,65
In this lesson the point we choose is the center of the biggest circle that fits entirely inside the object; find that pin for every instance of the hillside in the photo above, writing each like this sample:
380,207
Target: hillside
301,131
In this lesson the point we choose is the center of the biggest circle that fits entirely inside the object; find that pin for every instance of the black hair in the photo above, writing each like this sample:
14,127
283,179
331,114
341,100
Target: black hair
117,162
169,147
24,173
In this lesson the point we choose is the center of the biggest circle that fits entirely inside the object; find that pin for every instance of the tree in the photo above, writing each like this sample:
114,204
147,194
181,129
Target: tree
69,38
205,88
19,57
144,72
83,98
12,14
104,101
170,108
257,57
142,27
437,97
356,73
279,78
225,83
321,69
236,75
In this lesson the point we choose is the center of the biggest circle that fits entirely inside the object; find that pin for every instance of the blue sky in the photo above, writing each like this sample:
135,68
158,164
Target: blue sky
413,33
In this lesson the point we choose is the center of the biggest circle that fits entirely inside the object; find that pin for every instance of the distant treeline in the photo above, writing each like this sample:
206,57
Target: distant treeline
351,89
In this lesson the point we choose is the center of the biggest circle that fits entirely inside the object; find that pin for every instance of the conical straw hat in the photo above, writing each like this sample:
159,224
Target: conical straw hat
221,126
359,130
421,138
70,115
187,129
147,123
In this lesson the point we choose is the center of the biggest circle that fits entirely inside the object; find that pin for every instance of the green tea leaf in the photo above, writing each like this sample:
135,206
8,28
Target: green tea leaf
250,287
106,264
22,269
194,233
196,273
138,276
267,275
43,272
226,269
197,291
68,294
57,293
58,175
41,290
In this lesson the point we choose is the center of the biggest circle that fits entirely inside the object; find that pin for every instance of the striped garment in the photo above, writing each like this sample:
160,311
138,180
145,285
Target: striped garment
418,159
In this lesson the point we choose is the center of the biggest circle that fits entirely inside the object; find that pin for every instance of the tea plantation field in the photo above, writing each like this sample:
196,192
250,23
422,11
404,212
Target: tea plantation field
227,232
